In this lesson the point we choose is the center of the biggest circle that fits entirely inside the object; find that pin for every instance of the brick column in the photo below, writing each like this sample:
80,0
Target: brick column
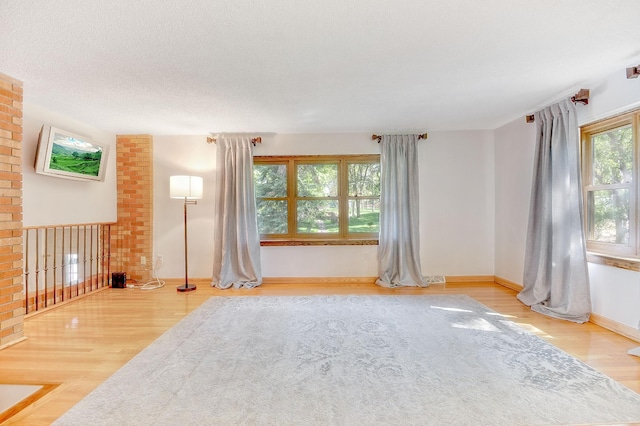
11,294
133,238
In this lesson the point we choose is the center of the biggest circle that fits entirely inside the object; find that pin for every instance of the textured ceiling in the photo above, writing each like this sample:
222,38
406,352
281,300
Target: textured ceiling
285,66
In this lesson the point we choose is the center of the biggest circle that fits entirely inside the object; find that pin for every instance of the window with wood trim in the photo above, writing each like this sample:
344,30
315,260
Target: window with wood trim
610,180
318,198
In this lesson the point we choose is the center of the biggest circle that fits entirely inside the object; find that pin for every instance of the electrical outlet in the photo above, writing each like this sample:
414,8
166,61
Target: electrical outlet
143,260
160,261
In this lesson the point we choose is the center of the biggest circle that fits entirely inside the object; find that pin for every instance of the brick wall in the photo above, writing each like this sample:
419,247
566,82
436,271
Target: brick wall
133,237
11,295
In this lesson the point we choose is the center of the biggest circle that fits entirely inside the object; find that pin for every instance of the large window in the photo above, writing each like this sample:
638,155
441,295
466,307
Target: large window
318,198
610,178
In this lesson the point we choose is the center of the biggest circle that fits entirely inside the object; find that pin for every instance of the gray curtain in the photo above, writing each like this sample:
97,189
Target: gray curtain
399,243
236,240
556,279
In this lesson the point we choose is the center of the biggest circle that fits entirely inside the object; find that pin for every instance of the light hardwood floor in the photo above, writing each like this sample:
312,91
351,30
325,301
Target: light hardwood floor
78,345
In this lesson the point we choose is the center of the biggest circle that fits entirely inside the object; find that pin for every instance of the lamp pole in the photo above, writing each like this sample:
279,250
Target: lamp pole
186,286
188,188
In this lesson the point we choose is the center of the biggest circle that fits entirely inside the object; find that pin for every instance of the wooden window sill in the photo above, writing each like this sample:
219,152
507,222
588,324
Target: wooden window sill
310,242
629,263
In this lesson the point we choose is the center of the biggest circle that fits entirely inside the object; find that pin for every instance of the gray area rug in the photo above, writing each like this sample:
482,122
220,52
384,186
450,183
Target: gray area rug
352,360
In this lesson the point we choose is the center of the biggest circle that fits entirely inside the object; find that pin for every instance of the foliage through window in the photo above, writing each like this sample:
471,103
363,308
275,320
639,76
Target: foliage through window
318,197
610,179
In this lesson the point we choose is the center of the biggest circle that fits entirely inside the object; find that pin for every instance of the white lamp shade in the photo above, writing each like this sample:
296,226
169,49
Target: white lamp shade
189,187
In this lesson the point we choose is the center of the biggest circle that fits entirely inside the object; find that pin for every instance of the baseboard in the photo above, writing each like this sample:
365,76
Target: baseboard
13,342
319,280
509,284
337,280
180,281
469,278
285,280
366,280
616,327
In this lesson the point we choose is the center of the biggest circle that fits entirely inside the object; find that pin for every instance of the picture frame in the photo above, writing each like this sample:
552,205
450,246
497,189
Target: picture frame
67,155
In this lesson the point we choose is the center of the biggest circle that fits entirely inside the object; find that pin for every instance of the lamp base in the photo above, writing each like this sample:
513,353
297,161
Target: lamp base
186,287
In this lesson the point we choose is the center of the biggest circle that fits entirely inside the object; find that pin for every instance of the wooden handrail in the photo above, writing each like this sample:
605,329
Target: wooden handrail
67,225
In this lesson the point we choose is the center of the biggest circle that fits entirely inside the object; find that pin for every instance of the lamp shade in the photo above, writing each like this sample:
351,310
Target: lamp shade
189,187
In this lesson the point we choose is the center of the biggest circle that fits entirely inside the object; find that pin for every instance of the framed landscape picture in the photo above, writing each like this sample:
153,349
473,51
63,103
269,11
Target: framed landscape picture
67,155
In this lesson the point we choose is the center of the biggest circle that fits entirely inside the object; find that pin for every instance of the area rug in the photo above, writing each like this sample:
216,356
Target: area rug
353,360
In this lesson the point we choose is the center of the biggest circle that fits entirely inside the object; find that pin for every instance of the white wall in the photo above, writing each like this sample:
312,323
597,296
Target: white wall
514,151
456,205
615,293
54,201
183,155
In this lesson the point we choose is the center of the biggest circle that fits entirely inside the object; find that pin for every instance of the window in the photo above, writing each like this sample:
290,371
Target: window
318,198
610,178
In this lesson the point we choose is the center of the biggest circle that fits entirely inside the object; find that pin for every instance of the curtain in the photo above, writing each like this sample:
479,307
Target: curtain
236,240
556,280
399,243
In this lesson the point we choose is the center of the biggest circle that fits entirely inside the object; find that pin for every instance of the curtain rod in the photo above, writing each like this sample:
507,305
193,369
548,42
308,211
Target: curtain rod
254,141
379,138
582,96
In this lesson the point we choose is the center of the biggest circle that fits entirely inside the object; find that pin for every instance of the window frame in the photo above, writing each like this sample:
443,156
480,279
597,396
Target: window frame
601,251
342,237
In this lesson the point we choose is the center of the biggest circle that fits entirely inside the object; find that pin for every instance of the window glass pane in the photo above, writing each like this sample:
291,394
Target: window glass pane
270,180
272,216
608,215
364,179
317,180
315,216
364,215
613,156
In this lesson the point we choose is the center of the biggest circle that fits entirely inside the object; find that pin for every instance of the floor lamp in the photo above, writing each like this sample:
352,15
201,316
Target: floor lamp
188,188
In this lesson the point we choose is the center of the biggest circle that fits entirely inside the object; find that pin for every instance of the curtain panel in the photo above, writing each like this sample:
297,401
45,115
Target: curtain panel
236,260
556,279
399,242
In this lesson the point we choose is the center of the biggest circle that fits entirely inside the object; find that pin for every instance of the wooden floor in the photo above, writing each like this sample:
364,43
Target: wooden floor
75,347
